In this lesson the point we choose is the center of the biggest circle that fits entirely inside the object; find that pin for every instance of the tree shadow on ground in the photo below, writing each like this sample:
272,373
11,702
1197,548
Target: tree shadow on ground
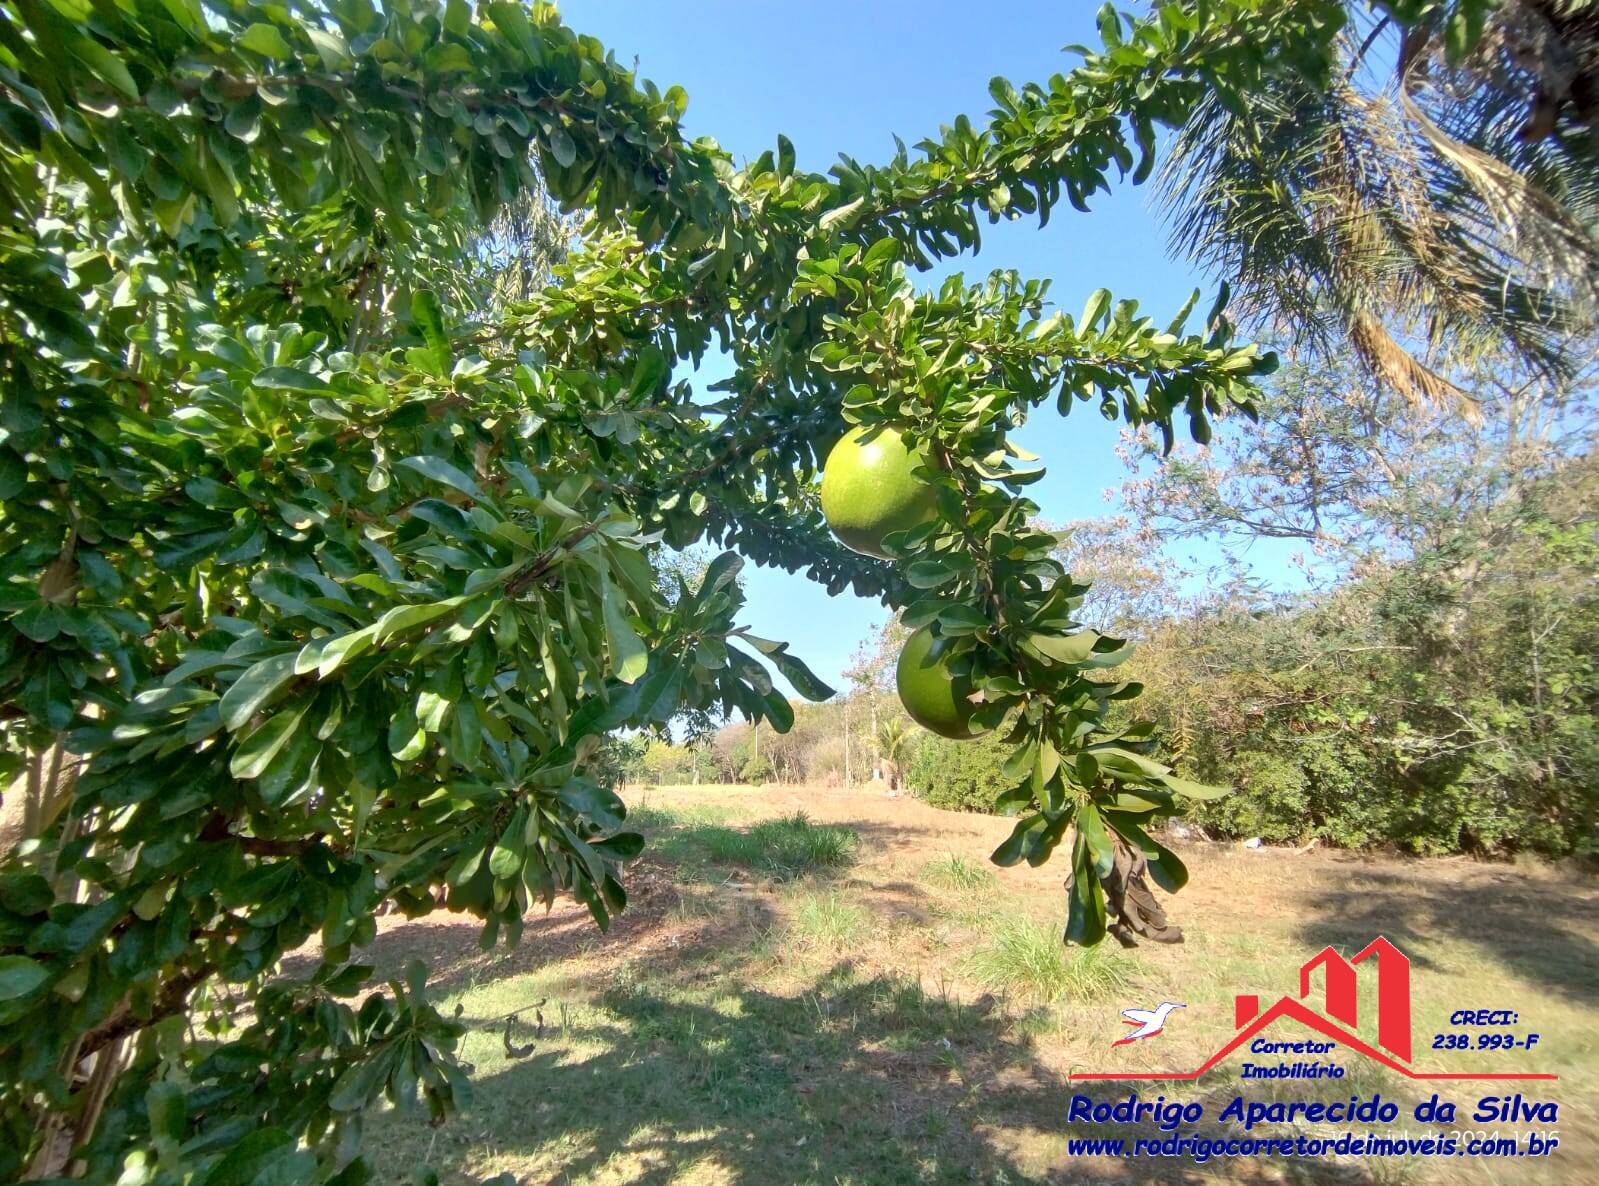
850,1080
691,1046
1517,923
678,1069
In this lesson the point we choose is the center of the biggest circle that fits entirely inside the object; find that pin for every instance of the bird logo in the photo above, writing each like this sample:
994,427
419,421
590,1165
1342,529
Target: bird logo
1149,1021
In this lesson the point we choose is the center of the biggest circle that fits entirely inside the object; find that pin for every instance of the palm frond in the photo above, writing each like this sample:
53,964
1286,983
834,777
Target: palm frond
1378,217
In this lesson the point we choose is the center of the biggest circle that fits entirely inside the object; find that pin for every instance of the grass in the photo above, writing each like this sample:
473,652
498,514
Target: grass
1027,961
656,817
783,849
876,1006
828,920
796,845
956,872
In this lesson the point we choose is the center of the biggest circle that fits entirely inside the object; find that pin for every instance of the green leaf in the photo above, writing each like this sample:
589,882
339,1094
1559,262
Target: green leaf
442,471
778,711
457,17
929,574
720,573
1085,907
25,893
41,621
251,691
881,252
408,617
359,1085
1045,766
561,147
266,40
263,743
840,216
661,694
1073,648
624,846
72,930
166,1106
508,856
629,657
1123,765
652,367
209,492
330,47
106,65
21,977
510,18
1098,301
804,680
265,1157
327,655
1100,849
289,379
428,318
1013,849
1193,790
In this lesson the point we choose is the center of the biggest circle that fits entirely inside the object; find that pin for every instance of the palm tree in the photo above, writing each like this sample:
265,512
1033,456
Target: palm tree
892,737
1423,206
527,237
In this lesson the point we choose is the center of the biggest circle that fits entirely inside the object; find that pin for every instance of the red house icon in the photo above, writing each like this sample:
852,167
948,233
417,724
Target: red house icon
1340,1000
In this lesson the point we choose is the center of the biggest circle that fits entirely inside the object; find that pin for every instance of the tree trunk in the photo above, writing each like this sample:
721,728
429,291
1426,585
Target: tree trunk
36,797
849,780
33,803
877,753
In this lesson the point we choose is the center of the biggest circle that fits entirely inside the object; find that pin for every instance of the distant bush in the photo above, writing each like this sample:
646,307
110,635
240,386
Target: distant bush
957,775
824,761
1446,703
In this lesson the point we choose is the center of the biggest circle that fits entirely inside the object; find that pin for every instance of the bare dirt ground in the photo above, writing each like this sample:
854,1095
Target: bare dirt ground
904,1014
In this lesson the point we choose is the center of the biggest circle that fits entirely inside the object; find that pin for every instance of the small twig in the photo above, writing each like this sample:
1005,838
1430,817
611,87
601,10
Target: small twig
512,1050
544,563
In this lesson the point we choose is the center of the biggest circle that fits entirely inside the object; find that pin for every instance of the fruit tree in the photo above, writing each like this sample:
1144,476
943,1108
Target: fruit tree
325,568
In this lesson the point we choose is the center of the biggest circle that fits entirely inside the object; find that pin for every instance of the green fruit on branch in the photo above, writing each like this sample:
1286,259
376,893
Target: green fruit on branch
870,489
936,699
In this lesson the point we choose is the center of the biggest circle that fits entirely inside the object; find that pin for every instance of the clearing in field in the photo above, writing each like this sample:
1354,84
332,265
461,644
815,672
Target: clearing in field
829,987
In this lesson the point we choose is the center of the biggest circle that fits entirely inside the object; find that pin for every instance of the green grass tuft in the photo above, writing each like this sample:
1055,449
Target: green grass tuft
1028,961
794,845
956,872
829,920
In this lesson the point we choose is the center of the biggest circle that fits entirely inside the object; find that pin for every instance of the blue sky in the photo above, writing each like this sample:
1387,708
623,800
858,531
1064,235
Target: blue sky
844,77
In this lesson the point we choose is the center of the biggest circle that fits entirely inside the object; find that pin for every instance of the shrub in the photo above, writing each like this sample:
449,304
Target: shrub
784,848
824,761
756,770
957,775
